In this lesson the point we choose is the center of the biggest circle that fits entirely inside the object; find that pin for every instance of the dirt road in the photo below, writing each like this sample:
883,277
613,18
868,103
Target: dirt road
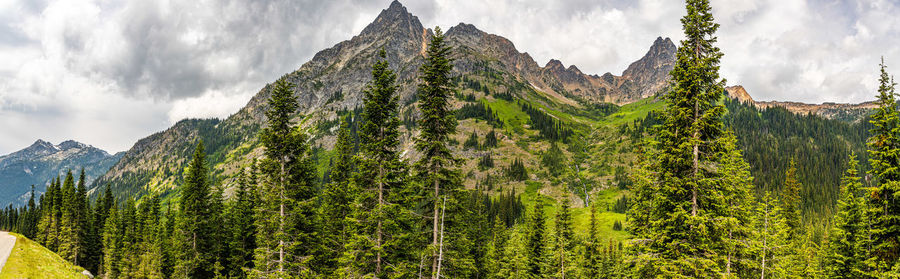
7,241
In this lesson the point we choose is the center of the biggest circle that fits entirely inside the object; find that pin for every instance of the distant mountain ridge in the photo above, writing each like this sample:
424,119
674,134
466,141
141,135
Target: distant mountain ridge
839,111
42,161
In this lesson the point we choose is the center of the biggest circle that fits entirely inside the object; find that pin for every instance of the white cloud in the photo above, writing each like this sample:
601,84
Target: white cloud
109,72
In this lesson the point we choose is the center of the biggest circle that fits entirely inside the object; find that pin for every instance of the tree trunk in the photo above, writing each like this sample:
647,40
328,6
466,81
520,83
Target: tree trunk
762,274
441,245
696,159
434,232
281,220
380,215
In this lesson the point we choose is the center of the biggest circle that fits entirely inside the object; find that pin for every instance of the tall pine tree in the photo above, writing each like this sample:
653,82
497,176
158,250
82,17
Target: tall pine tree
678,201
436,168
846,248
381,247
338,197
286,223
194,229
884,158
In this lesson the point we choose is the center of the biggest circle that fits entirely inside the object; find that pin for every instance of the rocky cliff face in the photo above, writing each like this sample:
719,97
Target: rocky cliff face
334,78
846,112
42,161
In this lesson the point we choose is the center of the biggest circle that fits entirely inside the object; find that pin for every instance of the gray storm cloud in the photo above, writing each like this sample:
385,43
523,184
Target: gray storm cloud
109,72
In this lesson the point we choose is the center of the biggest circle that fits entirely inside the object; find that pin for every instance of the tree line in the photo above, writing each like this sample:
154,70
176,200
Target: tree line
692,207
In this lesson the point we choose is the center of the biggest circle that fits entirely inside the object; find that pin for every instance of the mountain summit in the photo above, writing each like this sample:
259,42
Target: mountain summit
42,161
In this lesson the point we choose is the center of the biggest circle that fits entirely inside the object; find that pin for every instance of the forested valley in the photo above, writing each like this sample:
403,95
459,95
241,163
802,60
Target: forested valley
719,189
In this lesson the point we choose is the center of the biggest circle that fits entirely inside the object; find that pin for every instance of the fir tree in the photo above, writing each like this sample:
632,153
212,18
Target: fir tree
678,202
380,247
790,201
68,227
564,243
242,240
194,228
884,155
771,243
846,249
736,185
437,165
286,223
338,197
536,241
111,244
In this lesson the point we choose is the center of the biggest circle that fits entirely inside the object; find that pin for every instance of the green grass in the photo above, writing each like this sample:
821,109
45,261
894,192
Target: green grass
581,217
512,115
630,112
31,260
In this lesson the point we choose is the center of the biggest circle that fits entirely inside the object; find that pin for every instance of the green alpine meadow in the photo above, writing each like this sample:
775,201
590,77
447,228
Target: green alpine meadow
417,152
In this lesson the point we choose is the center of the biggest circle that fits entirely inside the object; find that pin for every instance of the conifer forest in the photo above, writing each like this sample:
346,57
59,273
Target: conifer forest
455,167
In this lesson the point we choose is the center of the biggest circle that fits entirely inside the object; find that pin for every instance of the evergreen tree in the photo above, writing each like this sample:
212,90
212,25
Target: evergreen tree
381,247
111,244
678,200
515,262
338,198
437,165
494,255
68,227
884,158
242,240
286,224
790,201
846,250
151,245
30,228
535,248
592,257
554,160
735,186
771,241
564,243
194,228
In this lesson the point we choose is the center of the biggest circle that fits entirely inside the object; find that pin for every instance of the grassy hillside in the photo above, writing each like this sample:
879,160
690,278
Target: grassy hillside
31,260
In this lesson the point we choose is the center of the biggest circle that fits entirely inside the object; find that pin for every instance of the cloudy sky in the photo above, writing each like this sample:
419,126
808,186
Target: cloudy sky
109,72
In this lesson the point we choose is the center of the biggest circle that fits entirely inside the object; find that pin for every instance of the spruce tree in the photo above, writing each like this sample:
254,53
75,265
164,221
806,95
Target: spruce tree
242,233
564,243
535,249
515,262
68,228
678,199
771,243
111,244
380,247
338,198
790,201
884,158
286,221
736,187
436,168
846,248
194,229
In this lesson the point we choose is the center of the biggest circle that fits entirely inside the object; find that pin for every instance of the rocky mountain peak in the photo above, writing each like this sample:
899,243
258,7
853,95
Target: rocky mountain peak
70,144
39,147
740,94
394,19
554,65
651,71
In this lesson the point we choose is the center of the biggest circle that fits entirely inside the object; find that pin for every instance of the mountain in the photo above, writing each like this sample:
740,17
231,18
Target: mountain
846,112
331,83
42,161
